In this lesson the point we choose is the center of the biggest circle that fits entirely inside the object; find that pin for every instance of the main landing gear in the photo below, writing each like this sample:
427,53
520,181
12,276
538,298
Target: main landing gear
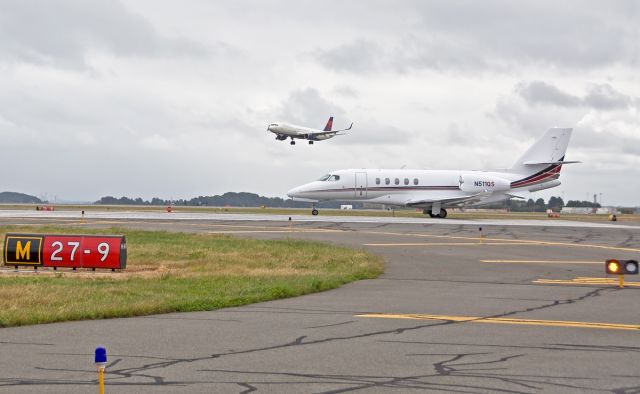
310,142
293,142
314,211
441,215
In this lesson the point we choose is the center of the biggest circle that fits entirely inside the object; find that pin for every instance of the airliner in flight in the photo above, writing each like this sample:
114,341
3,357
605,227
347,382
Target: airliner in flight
285,130
435,190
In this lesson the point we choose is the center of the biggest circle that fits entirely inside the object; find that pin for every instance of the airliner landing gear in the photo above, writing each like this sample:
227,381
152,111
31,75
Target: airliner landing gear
293,142
310,142
314,212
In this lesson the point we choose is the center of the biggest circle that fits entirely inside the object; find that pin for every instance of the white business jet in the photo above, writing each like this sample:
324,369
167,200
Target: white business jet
435,190
285,130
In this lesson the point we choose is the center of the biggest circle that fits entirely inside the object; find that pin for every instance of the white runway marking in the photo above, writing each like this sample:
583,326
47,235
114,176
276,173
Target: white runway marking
230,217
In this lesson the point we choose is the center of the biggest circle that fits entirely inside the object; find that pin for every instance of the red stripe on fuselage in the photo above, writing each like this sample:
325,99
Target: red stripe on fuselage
550,173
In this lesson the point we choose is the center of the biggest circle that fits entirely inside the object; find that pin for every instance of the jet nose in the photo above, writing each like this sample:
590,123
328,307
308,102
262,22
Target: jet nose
293,192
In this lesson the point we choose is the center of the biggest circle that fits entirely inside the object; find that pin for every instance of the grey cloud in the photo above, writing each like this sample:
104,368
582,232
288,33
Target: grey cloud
538,92
371,132
307,107
345,91
599,96
357,57
605,97
519,115
605,140
494,36
62,32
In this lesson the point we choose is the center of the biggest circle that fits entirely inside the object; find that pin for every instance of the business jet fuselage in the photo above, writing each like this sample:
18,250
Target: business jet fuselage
434,190
284,131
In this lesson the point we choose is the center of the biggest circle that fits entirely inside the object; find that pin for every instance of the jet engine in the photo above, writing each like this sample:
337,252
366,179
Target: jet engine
472,183
543,186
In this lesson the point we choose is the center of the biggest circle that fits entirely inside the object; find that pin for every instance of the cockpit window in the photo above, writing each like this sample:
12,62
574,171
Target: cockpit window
329,178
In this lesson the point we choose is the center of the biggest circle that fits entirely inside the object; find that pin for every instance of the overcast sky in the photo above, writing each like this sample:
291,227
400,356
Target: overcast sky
172,99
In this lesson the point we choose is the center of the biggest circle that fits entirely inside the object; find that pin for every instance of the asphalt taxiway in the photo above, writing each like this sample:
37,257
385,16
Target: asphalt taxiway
520,307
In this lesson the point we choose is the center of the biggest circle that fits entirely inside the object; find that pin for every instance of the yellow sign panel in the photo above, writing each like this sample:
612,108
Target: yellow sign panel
23,250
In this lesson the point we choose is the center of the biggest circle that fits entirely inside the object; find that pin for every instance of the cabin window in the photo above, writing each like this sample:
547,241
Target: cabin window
415,181
334,178
377,181
397,181
387,181
406,181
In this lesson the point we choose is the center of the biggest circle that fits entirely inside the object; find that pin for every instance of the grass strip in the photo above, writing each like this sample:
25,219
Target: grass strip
179,272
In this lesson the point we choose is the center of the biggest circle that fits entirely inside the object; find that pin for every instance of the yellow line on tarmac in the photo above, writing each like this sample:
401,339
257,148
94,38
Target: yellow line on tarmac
585,281
446,244
270,231
515,241
541,262
503,320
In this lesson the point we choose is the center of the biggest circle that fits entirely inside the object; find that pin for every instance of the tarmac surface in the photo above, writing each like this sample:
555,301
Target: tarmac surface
521,307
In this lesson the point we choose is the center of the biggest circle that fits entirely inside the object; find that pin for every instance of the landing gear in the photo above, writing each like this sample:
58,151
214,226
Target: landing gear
310,142
293,142
314,212
441,215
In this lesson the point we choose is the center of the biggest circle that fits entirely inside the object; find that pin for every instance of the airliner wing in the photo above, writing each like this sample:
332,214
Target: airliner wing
334,132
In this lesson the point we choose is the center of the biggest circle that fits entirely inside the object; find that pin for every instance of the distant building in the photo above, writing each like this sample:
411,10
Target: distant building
588,210
576,210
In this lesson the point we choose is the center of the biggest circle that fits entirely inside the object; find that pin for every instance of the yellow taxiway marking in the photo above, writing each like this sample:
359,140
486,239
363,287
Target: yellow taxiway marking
505,320
271,231
541,262
585,281
446,244
514,241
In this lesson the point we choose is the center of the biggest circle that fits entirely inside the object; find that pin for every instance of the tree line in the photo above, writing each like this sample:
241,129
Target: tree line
539,205
244,199
230,199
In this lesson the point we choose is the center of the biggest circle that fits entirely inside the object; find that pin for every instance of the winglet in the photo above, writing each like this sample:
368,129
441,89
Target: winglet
329,124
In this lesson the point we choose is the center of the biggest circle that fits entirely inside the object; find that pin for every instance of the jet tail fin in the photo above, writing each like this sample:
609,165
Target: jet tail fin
543,161
329,125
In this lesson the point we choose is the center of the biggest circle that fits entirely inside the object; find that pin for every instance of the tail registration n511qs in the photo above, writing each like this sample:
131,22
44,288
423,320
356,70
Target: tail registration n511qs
435,190
285,130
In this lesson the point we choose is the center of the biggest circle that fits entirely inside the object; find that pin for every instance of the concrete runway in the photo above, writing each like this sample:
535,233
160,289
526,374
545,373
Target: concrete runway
523,310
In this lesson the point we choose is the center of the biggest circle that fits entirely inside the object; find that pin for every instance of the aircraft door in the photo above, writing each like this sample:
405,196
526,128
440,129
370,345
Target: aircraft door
361,185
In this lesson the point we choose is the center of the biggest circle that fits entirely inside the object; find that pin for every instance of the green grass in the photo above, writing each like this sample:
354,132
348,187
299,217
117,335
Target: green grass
178,272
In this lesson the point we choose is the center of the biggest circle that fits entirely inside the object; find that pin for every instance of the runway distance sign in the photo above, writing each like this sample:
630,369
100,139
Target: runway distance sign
71,251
